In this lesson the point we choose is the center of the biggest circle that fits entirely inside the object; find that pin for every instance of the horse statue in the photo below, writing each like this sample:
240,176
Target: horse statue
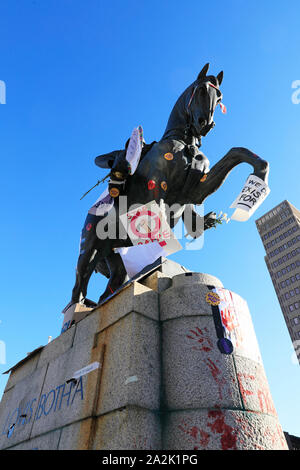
172,170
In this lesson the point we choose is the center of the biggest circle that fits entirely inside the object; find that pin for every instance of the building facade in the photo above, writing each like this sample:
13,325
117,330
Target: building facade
279,230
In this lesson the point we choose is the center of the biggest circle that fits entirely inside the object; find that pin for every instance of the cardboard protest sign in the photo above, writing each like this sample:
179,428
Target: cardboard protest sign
250,198
151,236
134,148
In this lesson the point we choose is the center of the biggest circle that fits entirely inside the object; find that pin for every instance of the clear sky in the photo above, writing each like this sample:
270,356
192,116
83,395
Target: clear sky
79,76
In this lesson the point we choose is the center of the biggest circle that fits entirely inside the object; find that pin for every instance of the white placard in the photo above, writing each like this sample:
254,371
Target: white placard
134,148
136,258
86,370
147,224
250,198
151,236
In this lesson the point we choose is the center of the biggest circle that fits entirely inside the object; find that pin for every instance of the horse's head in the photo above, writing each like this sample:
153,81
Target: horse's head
193,112
202,97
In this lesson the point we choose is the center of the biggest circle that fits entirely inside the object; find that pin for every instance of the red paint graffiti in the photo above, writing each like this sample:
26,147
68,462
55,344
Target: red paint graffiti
217,376
259,390
140,443
201,337
198,436
202,342
216,423
218,426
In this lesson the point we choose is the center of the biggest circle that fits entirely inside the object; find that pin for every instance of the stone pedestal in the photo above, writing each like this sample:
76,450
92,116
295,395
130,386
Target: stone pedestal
143,371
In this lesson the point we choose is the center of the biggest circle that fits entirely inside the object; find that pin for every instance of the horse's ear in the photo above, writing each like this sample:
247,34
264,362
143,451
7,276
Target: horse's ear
203,72
220,77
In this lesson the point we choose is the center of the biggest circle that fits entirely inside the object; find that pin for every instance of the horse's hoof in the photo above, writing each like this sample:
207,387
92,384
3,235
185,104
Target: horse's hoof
103,297
210,220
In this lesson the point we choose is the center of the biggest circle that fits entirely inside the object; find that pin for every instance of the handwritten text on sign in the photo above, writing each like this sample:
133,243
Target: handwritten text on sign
250,198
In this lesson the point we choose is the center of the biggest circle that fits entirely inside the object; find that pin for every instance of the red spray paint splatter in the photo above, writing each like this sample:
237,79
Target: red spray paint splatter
261,392
198,436
201,337
217,376
218,426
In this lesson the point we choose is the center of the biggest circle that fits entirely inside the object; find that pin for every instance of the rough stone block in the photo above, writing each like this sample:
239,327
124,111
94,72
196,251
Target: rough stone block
26,368
189,278
88,326
48,441
217,429
98,385
18,408
157,281
184,300
130,428
195,373
135,298
57,347
131,365
171,268
73,314
76,436
81,311
62,401
254,387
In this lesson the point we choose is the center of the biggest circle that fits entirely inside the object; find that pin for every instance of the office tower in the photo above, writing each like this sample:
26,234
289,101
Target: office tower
280,234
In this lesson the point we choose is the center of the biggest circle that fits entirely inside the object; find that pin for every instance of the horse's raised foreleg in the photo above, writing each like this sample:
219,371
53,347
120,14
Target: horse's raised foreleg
219,172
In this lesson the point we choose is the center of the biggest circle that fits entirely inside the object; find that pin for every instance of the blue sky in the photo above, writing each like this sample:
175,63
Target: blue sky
79,76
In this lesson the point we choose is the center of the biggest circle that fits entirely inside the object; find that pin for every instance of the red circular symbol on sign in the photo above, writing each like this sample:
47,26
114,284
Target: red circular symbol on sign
147,226
88,227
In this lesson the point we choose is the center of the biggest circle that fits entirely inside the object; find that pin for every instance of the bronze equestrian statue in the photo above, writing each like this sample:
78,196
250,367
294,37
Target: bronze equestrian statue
172,170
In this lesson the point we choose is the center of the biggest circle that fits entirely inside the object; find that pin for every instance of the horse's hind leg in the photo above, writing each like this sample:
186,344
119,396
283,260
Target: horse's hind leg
117,274
87,260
